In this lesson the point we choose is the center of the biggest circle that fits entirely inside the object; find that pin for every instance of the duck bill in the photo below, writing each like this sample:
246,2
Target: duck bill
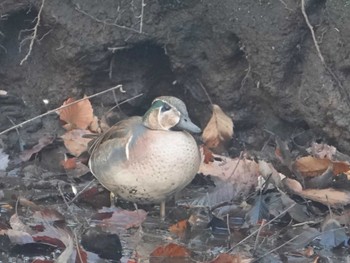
186,124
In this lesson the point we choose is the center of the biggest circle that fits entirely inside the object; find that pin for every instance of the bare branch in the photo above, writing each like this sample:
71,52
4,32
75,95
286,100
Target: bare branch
62,107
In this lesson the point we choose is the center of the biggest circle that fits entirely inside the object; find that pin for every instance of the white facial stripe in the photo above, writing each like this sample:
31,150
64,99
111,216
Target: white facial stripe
159,118
127,148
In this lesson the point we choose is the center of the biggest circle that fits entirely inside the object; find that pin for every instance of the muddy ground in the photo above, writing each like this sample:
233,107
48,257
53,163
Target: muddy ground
256,59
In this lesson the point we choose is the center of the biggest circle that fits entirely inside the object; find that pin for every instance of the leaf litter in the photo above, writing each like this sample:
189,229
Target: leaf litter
250,209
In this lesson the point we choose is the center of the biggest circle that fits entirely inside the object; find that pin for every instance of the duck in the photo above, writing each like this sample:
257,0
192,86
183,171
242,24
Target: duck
148,159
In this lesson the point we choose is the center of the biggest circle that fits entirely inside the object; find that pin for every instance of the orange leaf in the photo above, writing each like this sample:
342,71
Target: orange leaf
227,258
328,196
179,228
74,141
219,129
79,115
170,250
69,164
310,166
208,155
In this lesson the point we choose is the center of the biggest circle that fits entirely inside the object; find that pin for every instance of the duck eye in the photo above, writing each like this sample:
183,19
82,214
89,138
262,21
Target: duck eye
165,107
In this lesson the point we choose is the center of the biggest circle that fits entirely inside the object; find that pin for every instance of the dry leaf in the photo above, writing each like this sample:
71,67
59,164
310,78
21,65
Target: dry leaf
208,155
170,250
69,164
228,258
219,129
310,166
237,171
329,196
74,141
4,160
322,150
79,115
179,228
121,218
43,142
269,173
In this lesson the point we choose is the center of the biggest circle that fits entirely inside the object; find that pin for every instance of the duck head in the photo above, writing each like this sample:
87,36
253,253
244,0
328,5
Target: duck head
169,113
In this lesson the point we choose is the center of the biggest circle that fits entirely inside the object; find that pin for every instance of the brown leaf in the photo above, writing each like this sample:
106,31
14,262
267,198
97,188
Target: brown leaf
208,155
122,219
219,129
322,150
228,258
69,164
329,196
79,115
310,166
179,228
74,141
236,171
170,250
43,142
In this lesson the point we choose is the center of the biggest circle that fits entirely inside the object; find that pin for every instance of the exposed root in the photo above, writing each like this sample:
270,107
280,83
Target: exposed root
32,36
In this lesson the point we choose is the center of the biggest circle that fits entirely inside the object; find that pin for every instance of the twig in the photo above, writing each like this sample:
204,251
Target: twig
34,34
276,248
117,106
259,229
79,193
62,107
234,170
105,22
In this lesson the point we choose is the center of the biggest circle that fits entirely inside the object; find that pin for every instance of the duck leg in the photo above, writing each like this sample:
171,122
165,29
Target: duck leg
112,199
162,210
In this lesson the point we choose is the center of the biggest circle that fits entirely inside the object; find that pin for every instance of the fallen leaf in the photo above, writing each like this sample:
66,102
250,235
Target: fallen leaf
170,250
121,219
328,196
79,170
69,164
95,126
79,115
208,155
179,228
268,172
219,129
333,235
237,171
321,150
228,169
228,258
258,211
43,142
310,166
74,141
4,160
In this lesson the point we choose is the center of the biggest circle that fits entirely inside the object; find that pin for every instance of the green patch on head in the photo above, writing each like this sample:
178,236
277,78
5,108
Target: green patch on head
155,105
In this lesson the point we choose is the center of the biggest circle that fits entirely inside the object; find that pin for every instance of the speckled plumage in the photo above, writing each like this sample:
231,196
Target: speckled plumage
141,159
